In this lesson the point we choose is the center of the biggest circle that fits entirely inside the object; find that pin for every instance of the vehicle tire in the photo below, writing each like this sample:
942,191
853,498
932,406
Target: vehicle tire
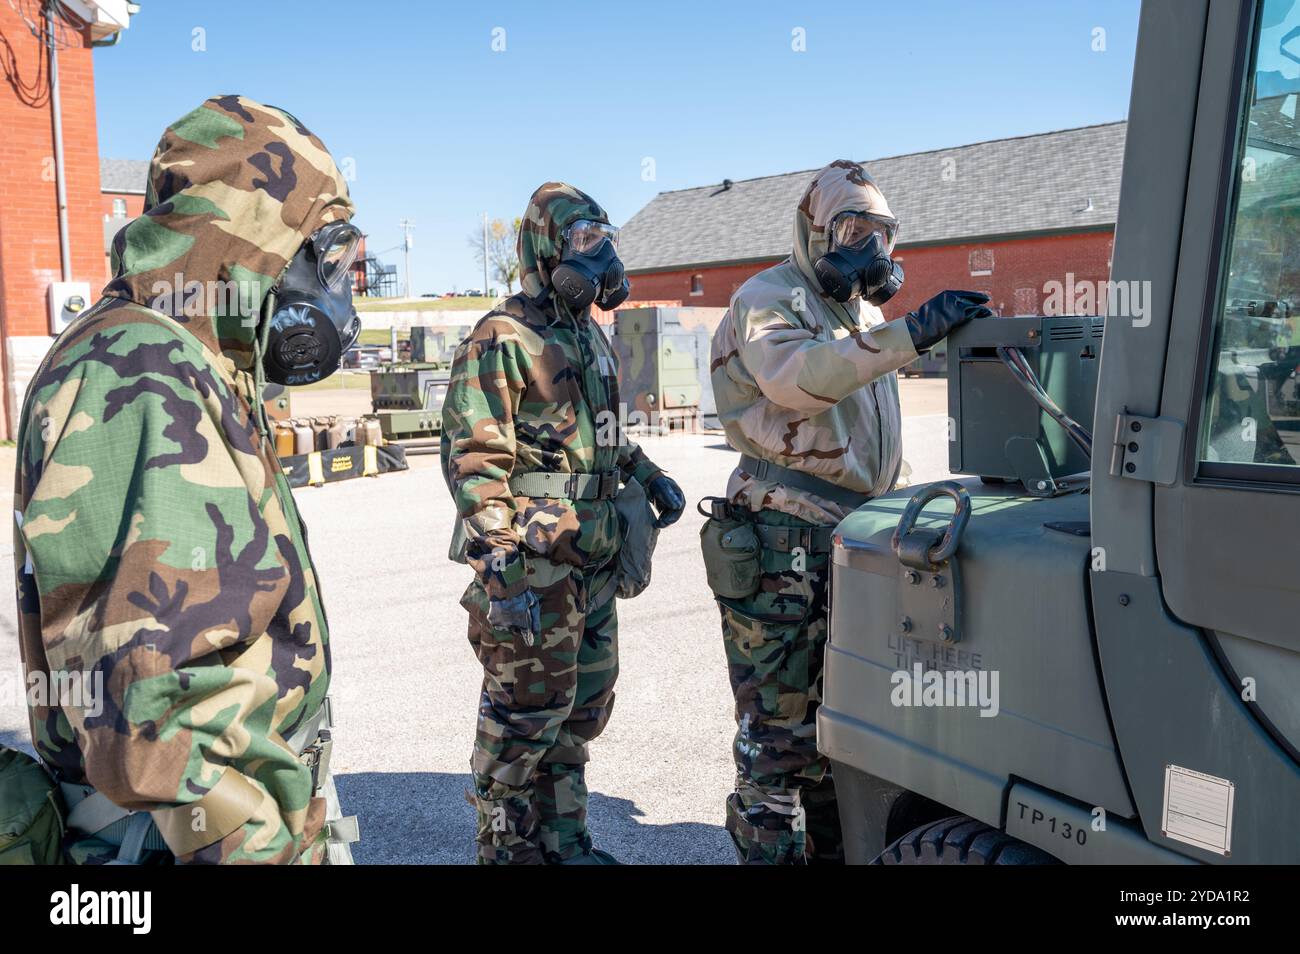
961,840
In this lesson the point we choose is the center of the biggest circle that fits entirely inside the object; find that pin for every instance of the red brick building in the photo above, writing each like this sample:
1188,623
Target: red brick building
1006,217
30,256
122,183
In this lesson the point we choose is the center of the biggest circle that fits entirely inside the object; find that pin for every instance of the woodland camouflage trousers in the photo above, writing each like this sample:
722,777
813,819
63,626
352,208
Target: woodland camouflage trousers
783,810
540,705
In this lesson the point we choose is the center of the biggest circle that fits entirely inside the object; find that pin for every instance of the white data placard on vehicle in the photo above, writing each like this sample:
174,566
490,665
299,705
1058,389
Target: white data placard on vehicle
1198,809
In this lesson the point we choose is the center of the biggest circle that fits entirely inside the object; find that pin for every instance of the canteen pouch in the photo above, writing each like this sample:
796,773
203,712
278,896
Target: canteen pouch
731,552
31,812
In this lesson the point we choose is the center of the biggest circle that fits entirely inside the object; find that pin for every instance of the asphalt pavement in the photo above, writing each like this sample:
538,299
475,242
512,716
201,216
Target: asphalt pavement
406,682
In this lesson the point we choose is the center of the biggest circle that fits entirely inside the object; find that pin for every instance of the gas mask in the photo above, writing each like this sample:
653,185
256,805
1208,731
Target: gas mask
590,270
858,263
314,322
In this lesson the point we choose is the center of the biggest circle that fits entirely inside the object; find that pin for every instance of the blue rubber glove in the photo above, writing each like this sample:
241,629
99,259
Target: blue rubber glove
668,500
520,615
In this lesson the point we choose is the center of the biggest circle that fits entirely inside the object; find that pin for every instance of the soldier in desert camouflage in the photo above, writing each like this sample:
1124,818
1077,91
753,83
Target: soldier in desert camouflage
533,453
158,550
803,372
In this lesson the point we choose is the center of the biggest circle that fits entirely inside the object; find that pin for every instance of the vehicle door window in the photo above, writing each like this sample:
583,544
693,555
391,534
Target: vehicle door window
1252,411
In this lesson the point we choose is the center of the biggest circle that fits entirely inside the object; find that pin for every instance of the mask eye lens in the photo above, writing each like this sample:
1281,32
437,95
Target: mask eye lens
584,237
852,232
351,333
335,255
854,229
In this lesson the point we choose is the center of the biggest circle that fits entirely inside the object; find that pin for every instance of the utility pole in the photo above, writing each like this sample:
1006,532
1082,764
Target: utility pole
408,226
485,254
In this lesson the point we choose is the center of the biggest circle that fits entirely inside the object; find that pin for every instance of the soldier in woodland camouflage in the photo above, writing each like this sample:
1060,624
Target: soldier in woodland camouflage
534,392
158,549
806,390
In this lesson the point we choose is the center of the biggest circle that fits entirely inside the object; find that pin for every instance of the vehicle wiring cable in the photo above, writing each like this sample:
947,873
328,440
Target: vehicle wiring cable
1021,370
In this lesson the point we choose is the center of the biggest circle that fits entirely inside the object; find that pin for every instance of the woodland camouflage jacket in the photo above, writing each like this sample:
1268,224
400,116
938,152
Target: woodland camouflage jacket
534,387
158,549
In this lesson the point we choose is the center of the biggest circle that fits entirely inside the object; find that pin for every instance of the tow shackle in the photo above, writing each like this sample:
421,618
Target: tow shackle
946,544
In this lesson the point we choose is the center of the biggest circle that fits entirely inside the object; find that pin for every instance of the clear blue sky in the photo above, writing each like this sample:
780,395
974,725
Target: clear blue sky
440,127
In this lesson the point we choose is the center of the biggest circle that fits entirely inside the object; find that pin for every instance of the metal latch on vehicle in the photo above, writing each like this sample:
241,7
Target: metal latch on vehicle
929,587
1147,448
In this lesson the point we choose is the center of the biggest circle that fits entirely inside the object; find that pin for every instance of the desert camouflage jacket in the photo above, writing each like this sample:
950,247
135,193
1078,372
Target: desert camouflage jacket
805,382
534,386
158,549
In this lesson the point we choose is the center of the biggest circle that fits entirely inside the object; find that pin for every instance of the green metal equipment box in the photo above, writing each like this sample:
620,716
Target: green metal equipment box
660,364
995,431
430,345
408,398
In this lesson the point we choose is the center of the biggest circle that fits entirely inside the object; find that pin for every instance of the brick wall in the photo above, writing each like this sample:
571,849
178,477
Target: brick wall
1013,272
1018,270
718,284
29,230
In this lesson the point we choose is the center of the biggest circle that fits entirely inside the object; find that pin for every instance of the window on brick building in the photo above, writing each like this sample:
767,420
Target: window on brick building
697,284
119,208
1026,301
981,261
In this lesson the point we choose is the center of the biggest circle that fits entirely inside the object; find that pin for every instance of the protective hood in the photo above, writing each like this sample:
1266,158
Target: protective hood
235,189
552,207
840,186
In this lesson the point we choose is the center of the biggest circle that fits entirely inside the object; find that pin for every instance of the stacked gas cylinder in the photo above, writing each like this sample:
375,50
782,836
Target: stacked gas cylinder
302,435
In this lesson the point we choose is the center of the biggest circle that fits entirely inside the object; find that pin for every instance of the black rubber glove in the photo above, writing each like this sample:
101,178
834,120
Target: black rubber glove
930,323
668,500
521,615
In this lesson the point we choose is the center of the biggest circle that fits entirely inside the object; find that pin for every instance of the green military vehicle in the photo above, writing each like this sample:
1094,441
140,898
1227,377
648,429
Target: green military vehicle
407,398
1104,667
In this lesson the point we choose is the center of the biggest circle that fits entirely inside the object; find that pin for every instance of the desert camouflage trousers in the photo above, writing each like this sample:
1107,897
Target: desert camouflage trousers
783,810
540,705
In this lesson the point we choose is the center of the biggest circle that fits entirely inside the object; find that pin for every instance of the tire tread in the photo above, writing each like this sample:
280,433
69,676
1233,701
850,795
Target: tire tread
961,840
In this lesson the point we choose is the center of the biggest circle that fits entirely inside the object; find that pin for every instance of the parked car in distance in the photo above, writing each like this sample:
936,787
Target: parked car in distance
364,357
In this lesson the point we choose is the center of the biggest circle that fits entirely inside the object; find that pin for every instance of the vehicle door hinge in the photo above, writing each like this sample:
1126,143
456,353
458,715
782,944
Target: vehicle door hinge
1147,448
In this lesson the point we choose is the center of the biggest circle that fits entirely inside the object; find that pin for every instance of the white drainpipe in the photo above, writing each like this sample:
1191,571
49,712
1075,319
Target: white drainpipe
56,116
